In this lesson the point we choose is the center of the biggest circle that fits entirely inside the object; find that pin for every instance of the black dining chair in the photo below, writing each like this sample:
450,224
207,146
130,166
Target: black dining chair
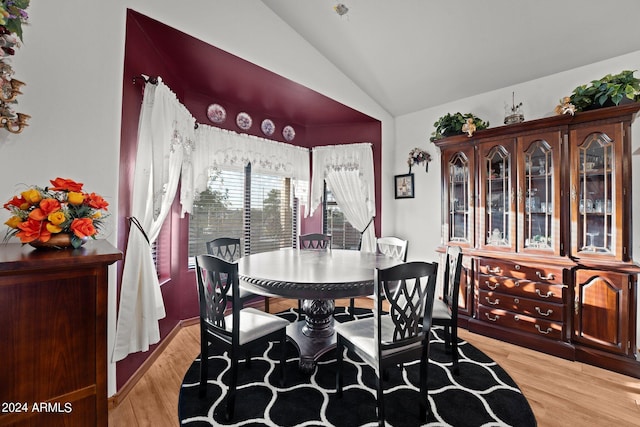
238,331
396,337
445,310
316,242
228,249
393,247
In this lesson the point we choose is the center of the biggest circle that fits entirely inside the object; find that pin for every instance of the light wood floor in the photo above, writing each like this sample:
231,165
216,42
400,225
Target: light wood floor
560,392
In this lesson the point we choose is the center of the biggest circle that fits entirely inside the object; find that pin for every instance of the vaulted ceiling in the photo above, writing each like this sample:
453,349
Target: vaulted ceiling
412,54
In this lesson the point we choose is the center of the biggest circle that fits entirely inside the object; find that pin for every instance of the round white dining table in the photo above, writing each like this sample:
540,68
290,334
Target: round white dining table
318,278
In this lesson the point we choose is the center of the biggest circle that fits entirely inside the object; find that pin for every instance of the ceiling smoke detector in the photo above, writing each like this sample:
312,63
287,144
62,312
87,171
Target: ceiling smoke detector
341,9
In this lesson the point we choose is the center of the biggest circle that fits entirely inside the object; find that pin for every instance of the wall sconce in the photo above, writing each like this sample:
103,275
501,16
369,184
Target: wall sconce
13,16
341,9
9,95
15,125
11,121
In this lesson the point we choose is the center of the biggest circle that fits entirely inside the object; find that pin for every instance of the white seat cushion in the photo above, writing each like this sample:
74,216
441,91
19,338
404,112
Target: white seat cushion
441,310
255,324
360,333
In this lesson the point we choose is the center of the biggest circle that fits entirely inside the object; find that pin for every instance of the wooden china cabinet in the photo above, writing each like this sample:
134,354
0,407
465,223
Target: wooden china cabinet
542,211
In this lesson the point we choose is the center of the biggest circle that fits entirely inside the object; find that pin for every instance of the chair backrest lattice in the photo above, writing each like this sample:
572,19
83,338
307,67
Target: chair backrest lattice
315,241
226,248
409,289
393,247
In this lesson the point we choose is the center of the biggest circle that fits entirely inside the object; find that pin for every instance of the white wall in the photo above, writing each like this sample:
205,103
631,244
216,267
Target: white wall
72,62
420,217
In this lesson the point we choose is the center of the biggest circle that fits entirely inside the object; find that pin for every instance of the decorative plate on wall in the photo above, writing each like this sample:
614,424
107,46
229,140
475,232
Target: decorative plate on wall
288,133
268,127
244,121
216,113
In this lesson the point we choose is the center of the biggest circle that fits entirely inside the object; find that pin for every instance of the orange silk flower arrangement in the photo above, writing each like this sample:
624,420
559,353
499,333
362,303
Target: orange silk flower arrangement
63,207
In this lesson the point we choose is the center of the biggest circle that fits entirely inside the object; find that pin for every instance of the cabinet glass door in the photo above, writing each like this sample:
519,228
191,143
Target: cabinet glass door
538,193
599,219
460,209
496,175
596,210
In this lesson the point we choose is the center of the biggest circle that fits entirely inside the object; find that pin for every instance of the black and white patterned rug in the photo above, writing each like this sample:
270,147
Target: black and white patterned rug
482,395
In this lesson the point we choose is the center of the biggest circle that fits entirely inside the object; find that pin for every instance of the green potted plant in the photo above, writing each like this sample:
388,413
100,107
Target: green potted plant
457,124
607,91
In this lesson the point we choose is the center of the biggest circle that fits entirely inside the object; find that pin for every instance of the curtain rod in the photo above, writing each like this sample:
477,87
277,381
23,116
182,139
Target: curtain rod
146,79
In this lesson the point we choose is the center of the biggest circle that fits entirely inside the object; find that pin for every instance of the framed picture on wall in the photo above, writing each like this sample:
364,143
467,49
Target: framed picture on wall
404,186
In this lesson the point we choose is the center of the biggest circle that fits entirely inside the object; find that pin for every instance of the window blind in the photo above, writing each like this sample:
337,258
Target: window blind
271,218
256,208
218,211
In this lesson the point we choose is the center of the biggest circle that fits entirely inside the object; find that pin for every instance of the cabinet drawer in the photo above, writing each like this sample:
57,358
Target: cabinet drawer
507,319
523,288
534,308
510,269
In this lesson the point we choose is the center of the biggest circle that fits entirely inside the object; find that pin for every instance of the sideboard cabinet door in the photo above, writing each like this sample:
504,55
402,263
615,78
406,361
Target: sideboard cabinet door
601,310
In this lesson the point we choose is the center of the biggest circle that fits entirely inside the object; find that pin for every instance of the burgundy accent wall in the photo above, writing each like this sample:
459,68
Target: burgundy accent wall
187,65
197,104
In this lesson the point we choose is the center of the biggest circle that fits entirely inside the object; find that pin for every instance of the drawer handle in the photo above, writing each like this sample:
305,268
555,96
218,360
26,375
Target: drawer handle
516,284
548,294
550,276
543,332
516,318
496,302
495,270
548,313
493,319
492,286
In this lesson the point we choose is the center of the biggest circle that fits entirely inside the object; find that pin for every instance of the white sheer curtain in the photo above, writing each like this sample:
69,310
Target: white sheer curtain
165,143
348,172
220,148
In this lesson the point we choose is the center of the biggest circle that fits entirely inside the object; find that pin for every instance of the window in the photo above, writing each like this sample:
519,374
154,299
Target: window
256,208
271,221
343,235
161,252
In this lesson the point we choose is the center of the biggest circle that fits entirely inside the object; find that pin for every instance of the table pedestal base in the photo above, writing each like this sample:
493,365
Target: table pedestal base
315,335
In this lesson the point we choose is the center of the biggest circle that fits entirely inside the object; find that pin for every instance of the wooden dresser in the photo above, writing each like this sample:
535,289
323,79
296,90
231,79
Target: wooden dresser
53,335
